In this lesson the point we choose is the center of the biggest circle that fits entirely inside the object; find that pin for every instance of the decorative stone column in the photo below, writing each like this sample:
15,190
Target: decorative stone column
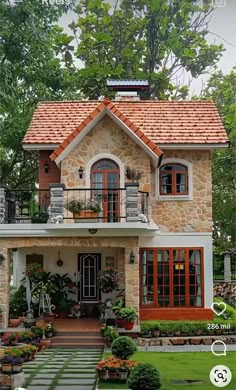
132,202
2,205
227,267
132,278
4,286
56,209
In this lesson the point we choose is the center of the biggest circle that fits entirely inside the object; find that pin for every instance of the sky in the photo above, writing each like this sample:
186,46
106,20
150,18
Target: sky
222,29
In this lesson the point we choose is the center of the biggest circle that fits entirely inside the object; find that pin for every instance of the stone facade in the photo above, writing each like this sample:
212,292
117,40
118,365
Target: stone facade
190,215
105,137
4,285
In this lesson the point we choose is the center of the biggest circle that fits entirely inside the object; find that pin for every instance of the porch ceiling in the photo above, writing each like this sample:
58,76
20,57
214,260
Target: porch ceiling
128,229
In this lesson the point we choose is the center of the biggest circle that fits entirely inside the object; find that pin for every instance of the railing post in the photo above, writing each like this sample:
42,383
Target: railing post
227,266
3,209
56,209
132,202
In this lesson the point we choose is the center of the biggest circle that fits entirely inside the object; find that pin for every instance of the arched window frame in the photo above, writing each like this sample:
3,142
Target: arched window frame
102,156
171,197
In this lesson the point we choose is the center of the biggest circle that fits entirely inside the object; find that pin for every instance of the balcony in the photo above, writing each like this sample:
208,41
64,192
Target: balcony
115,205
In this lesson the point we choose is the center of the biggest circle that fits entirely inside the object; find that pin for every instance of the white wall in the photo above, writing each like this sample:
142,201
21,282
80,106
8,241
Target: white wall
203,240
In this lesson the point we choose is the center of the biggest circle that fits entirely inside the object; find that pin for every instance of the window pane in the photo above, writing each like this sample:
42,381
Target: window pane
163,278
166,184
181,182
105,164
147,276
195,288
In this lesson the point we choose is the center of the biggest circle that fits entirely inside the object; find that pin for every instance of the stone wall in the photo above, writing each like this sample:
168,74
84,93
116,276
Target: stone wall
4,285
190,215
226,291
106,137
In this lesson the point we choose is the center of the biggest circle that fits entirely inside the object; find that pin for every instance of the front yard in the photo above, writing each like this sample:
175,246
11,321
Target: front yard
178,365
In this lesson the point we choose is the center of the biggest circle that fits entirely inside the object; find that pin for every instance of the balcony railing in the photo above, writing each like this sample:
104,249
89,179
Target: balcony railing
54,205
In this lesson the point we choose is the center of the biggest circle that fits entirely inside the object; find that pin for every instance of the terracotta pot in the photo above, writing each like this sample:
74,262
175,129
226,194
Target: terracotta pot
218,331
46,343
6,367
22,319
128,325
14,322
156,333
119,322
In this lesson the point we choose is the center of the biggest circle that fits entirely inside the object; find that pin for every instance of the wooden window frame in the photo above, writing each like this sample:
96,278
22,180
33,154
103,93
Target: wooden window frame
171,279
173,174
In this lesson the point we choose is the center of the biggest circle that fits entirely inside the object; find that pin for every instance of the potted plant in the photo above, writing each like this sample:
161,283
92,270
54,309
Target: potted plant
110,334
49,331
129,315
48,317
101,371
7,363
116,309
123,372
10,338
133,174
40,217
155,329
108,280
84,209
17,363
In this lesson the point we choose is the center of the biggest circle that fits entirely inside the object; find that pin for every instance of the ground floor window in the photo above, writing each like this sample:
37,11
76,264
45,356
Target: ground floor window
171,277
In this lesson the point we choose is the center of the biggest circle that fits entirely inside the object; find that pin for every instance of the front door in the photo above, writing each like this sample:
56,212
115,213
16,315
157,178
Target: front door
89,265
105,178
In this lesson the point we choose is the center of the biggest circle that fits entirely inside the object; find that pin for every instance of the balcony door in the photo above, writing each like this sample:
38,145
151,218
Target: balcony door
105,181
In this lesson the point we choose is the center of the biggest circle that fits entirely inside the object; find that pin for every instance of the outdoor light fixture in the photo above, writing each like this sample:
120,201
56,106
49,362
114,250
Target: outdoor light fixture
92,231
46,167
131,257
81,171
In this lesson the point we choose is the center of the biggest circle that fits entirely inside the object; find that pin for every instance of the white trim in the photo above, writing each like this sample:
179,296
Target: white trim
87,129
40,146
165,198
193,146
102,156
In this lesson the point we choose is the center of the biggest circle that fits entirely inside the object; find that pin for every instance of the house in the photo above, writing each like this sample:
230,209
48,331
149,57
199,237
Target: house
157,232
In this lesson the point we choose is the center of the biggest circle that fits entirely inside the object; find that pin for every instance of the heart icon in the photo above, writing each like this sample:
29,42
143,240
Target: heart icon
218,308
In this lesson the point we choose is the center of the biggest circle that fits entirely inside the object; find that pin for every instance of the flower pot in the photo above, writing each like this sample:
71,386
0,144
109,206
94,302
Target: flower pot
22,319
178,333
156,333
113,375
85,216
102,375
17,367
6,367
218,331
128,325
198,332
14,322
123,375
119,322
46,343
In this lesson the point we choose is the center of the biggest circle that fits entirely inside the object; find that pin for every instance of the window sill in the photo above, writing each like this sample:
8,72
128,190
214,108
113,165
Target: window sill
165,198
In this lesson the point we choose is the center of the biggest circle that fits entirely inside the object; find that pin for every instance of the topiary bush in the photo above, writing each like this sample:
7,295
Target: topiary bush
144,377
123,347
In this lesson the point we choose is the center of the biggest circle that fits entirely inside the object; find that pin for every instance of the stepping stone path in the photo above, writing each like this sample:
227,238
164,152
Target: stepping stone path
60,369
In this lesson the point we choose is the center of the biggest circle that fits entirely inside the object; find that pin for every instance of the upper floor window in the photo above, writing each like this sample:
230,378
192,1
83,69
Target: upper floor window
173,179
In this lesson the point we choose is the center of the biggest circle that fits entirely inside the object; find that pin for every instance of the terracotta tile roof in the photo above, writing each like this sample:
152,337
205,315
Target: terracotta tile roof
111,107
163,122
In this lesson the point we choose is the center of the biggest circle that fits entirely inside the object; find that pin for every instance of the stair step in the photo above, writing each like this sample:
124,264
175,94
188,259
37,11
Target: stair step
79,333
78,345
83,340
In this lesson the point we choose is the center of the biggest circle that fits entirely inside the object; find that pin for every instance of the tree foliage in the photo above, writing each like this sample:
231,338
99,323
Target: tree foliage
32,68
222,89
154,40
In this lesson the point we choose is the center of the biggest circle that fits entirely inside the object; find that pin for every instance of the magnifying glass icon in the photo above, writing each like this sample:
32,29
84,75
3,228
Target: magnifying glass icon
220,375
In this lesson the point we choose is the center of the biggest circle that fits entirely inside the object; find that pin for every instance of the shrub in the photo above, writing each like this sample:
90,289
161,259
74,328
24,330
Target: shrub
144,377
229,313
123,347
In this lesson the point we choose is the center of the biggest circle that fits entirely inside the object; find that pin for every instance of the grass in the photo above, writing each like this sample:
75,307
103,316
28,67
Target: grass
186,365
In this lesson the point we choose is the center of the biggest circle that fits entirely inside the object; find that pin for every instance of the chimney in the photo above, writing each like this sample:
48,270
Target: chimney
127,89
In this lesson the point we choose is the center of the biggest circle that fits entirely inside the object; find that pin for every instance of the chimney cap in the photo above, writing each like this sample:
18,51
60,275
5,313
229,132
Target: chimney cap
127,84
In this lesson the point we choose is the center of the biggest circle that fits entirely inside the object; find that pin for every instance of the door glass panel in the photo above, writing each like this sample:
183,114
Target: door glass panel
147,277
195,288
179,278
163,278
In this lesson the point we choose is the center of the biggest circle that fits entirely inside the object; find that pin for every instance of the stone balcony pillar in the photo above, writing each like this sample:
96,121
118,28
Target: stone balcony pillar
2,205
132,211
56,209
4,286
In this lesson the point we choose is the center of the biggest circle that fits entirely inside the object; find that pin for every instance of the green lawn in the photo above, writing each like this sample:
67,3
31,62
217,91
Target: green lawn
178,365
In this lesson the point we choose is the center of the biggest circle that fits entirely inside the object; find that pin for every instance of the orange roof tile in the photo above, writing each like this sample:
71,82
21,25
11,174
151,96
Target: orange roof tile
110,106
163,122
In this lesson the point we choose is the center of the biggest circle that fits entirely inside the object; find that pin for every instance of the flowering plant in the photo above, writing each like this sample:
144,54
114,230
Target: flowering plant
7,359
10,337
14,352
18,360
108,280
35,271
113,364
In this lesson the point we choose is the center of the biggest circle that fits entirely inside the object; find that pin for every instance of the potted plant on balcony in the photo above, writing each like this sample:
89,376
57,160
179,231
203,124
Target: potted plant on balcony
40,217
133,175
84,209
129,315
117,308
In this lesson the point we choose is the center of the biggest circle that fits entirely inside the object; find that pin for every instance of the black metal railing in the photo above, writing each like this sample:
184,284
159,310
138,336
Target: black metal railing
92,204
27,206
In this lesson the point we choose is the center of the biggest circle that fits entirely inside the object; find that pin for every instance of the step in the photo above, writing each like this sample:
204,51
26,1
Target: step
78,333
77,339
78,345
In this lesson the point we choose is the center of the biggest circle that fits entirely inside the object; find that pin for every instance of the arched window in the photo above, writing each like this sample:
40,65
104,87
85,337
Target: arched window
173,179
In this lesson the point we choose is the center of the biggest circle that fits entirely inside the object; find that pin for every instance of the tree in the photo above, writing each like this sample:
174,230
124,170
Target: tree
154,40
33,67
222,89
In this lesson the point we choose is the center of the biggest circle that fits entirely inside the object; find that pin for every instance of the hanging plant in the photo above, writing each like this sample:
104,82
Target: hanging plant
35,272
108,280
